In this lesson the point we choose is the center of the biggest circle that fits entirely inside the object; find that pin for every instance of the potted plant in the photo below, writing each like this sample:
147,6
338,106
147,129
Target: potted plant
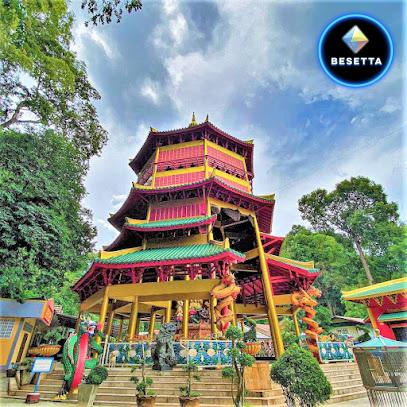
12,370
253,347
25,368
87,391
145,396
50,347
301,377
188,397
240,360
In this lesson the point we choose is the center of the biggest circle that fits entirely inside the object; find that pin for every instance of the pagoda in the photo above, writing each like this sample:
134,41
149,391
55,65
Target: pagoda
191,230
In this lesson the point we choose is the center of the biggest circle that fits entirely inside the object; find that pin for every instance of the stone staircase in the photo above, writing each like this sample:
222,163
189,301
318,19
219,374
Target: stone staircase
117,390
345,380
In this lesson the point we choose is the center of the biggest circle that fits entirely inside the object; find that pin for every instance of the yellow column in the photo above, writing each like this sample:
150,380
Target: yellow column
372,318
296,324
271,308
102,316
110,322
133,320
213,319
77,323
185,316
151,327
120,333
242,325
137,332
234,320
103,312
168,312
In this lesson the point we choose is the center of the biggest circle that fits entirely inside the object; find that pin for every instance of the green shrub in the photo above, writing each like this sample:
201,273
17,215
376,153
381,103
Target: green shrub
97,375
301,378
240,360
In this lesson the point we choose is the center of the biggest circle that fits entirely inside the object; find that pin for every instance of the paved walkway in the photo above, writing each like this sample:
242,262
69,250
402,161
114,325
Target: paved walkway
14,402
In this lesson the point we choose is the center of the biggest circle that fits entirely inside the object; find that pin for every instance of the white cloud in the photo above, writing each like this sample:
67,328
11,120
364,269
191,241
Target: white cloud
391,105
151,91
172,31
85,34
251,49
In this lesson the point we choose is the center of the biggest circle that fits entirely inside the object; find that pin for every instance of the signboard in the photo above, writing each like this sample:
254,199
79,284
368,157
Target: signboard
48,312
42,365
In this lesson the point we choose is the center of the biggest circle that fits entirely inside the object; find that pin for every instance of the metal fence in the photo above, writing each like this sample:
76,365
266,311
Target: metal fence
384,375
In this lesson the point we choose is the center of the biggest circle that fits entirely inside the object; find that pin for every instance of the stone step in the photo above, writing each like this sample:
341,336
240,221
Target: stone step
347,389
43,398
345,376
346,382
204,401
44,394
338,366
102,391
159,404
349,396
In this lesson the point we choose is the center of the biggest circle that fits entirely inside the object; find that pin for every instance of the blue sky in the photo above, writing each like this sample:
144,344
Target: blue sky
252,66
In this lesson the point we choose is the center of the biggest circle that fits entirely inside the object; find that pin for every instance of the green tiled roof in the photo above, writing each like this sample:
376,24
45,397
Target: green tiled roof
382,342
379,290
309,269
394,316
169,253
169,223
300,265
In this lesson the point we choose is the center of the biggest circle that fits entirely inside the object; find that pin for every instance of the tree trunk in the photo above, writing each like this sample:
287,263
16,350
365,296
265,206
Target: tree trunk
364,262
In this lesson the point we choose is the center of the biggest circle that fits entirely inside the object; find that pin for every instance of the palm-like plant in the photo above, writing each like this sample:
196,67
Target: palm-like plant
186,391
143,383
240,360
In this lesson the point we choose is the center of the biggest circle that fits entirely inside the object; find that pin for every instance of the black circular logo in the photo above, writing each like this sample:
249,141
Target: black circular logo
355,50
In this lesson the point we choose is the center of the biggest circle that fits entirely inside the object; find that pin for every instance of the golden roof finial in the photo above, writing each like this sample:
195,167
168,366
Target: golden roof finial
207,118
153,130
193,121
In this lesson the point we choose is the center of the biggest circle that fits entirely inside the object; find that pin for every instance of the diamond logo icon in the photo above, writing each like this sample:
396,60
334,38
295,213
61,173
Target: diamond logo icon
355,39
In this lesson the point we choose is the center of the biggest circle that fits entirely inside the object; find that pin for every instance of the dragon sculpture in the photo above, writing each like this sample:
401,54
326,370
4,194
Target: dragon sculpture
303,299
76,356
225,294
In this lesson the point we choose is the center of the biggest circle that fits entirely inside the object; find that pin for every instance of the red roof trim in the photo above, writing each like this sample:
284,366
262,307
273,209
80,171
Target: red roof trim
265,219
289,267
174,227
227,255
137,162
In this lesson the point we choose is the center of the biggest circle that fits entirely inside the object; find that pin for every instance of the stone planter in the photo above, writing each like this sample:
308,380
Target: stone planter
87,394
252,348
146,401
11,372
189,401
32,398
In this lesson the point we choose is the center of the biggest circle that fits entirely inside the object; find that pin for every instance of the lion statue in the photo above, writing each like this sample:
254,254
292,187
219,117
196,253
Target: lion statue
163,354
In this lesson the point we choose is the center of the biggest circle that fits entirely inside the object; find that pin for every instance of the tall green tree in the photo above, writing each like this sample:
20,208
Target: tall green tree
44,231
103,11
42,82
358,210
335,260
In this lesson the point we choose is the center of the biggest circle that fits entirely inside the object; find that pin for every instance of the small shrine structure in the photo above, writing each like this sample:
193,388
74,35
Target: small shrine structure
386,305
